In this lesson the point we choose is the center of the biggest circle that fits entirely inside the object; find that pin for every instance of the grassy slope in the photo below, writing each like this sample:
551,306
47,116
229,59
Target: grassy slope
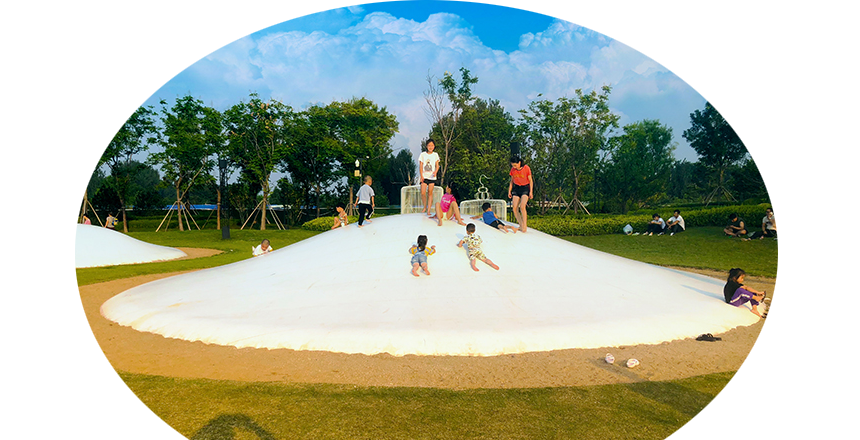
208,409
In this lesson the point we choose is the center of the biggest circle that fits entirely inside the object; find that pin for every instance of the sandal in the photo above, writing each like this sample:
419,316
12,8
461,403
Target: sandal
708,337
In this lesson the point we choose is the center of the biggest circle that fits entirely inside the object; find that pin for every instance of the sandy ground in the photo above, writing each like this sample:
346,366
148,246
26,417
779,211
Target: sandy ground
138,352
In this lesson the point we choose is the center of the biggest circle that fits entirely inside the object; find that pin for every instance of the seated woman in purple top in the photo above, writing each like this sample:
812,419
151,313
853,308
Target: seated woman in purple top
737,294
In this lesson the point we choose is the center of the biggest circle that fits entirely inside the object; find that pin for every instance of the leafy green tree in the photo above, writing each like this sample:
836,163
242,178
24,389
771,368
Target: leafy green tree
563,139
441,94
191,131
92,128
134,137
759,176
259,137
482,149
717,144
640,163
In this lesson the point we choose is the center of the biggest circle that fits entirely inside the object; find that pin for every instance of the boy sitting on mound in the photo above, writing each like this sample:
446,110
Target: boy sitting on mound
489,218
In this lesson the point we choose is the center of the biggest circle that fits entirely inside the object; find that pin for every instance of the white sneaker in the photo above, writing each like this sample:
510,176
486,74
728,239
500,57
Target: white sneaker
609,358
671,234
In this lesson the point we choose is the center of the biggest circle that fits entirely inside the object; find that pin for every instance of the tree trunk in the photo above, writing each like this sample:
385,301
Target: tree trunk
218,220
264,206
124,217
179,207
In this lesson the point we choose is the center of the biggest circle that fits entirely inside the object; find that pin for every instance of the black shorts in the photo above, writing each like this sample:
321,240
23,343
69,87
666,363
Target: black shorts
497,224
519,190
429,181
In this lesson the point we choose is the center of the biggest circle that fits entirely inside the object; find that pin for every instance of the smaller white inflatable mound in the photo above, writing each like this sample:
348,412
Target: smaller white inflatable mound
96,246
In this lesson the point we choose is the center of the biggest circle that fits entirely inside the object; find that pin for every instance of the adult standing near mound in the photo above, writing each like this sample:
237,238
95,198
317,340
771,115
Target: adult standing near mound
428,162
520,190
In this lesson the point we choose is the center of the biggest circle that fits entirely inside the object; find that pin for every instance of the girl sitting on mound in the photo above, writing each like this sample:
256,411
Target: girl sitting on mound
448,208
419,255
737,294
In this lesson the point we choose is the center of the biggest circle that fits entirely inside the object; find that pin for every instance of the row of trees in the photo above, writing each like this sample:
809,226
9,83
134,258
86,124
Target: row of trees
316,148
577,151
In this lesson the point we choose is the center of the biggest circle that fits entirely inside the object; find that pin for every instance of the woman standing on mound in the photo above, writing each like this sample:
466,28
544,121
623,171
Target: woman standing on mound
520,190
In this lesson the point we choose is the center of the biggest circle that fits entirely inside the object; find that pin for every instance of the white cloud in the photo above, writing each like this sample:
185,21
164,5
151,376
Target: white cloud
387,59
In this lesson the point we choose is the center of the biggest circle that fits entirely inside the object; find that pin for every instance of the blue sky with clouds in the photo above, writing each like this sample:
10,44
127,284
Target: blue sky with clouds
384,51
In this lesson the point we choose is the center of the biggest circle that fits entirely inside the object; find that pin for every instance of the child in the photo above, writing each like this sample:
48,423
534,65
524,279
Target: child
263,248
447,207
676,223
419,255
489,218
655,225
366,201
737,294
474,242
341,219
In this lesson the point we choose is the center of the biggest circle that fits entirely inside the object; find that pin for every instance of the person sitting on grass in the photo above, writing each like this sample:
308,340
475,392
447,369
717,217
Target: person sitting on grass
656,224
490,219
675,223
473,241
736,226
263,248
737,294
447,208
420,252
341,219
768,227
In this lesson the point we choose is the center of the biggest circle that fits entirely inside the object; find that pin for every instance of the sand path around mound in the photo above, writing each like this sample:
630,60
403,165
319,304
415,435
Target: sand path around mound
132,351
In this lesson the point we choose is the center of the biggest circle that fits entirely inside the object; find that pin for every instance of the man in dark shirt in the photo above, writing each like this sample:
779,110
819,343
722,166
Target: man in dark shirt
736,226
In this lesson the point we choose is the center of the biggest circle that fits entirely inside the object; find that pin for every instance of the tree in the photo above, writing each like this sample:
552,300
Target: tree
760,174
564,139
717,144
640,163
458,96
189,132
259,137
482,148
92,125
133,137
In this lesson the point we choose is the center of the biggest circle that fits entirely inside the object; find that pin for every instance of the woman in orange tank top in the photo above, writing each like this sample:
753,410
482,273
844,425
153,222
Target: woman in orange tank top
520,190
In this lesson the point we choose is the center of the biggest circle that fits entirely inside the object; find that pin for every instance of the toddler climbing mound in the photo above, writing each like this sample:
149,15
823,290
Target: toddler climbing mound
419,255
473,242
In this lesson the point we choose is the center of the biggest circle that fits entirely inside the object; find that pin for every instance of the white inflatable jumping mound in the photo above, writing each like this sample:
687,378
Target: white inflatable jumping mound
350,290
96,246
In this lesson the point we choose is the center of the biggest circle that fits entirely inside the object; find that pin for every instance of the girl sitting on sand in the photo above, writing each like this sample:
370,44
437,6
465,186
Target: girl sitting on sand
419,255
737,294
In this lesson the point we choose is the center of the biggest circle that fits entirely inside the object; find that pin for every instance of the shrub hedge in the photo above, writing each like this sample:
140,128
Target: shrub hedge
592,225
323,224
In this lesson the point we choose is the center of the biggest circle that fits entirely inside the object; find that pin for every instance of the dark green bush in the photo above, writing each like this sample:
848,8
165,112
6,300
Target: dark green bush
599,225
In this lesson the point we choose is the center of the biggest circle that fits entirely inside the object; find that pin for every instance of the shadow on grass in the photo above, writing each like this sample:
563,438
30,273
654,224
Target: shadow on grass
682,399
224,428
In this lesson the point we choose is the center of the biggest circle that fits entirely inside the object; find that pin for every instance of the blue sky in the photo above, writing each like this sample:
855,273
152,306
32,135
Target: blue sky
384,51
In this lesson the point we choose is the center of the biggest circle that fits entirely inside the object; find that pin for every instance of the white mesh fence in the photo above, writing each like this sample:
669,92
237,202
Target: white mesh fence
410,199
470,208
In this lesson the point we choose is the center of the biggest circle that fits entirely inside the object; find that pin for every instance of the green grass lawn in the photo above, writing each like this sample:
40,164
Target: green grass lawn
701,248
216,410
